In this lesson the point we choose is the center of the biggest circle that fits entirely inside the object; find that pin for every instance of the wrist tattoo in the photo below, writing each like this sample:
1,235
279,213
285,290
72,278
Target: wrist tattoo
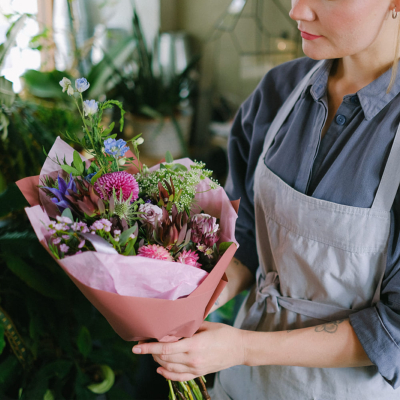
330,327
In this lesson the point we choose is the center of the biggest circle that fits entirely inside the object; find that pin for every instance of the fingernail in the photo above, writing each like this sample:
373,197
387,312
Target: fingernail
137,350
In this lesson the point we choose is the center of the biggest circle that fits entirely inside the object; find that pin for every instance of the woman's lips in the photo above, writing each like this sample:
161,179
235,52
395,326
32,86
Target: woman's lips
308,36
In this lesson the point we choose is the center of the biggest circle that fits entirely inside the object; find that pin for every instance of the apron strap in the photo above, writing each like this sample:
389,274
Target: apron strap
286,108
269,299
390,181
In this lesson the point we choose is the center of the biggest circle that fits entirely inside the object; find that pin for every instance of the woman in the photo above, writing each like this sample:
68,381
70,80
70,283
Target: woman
319,195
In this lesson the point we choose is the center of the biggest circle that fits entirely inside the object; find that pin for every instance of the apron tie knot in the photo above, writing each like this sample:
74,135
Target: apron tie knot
266,298
267,291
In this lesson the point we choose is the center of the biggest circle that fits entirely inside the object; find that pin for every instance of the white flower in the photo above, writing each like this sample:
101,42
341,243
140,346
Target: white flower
121,161
81,85
70,91
139,141
90,107
65,83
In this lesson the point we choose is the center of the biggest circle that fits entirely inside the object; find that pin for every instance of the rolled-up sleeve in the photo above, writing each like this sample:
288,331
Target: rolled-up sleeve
378,327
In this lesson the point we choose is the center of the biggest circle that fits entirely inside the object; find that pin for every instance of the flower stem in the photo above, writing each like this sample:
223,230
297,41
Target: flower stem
196,390
171,390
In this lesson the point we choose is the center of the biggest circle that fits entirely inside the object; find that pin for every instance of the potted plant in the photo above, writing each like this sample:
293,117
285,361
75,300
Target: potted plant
156,99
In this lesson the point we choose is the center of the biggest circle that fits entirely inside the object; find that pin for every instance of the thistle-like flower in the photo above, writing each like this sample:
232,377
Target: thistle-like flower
123,209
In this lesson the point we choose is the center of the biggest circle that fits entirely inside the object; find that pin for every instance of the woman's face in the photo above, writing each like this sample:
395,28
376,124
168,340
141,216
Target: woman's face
343,27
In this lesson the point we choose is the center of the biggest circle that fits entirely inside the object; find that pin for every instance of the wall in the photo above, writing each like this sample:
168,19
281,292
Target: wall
223,68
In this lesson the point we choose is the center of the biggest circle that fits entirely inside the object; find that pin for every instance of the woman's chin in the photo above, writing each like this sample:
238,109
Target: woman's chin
316,51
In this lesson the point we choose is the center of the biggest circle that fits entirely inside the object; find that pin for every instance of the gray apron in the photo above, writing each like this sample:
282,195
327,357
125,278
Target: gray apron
319,262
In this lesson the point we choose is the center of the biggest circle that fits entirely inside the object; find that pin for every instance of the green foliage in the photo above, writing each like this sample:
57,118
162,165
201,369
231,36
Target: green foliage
66,338
46,84
2,338
84,341
31,128
11,199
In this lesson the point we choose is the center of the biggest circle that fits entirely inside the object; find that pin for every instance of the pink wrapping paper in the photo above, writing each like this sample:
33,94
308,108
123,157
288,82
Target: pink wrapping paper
138,317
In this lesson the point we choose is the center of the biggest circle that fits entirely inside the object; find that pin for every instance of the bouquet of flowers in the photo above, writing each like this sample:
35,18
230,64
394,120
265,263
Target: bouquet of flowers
147,247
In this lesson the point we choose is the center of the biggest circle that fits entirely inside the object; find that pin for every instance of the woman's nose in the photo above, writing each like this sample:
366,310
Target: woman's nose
302,11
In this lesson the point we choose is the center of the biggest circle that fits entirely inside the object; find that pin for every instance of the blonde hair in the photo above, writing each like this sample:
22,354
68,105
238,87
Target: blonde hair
395,66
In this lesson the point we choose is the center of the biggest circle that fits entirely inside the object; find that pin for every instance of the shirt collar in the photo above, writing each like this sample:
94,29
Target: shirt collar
373,97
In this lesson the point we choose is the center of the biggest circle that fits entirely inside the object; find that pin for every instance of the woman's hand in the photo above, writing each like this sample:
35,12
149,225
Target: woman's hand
214,347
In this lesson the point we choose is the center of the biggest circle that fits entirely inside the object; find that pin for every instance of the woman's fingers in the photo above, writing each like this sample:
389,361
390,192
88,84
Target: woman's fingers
175,376
180,358
173,367
160,348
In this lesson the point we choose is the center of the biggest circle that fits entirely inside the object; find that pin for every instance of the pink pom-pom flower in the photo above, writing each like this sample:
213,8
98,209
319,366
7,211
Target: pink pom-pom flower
189,258
117,180
156,252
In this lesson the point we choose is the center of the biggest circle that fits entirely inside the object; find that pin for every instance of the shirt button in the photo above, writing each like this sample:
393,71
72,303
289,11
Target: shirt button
355,100
340,119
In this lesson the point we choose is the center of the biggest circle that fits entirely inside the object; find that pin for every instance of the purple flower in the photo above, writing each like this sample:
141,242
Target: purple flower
150,213
64,248
204,229
115,148
60,200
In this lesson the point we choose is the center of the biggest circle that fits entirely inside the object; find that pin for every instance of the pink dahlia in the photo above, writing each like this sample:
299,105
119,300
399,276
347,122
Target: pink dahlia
155,251
189,258
117,180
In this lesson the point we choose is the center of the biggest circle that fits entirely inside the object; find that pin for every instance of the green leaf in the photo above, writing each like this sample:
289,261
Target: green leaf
8,369
48,395
2,338
100,76
68,213
11,200
33,278
106,384
112,136
168,157
97,176
70,170
84,341
223,247
7,95
108,130
78,163
125,234
45,152
46,84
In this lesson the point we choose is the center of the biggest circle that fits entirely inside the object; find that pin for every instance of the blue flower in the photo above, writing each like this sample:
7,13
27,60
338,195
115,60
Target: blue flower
89,177
115,148
60,200
90,107
81,85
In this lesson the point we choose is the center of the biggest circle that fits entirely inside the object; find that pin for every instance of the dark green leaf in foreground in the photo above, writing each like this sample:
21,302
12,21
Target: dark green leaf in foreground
2,338
84,341
11,199
32,277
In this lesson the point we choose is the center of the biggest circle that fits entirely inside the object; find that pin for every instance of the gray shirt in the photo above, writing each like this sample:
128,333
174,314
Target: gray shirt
344,167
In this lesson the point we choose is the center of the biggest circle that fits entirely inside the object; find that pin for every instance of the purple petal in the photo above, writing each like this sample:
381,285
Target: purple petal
62,186
56,193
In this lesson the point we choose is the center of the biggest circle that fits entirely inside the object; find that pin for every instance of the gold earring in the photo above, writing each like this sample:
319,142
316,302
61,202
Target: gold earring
394,13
